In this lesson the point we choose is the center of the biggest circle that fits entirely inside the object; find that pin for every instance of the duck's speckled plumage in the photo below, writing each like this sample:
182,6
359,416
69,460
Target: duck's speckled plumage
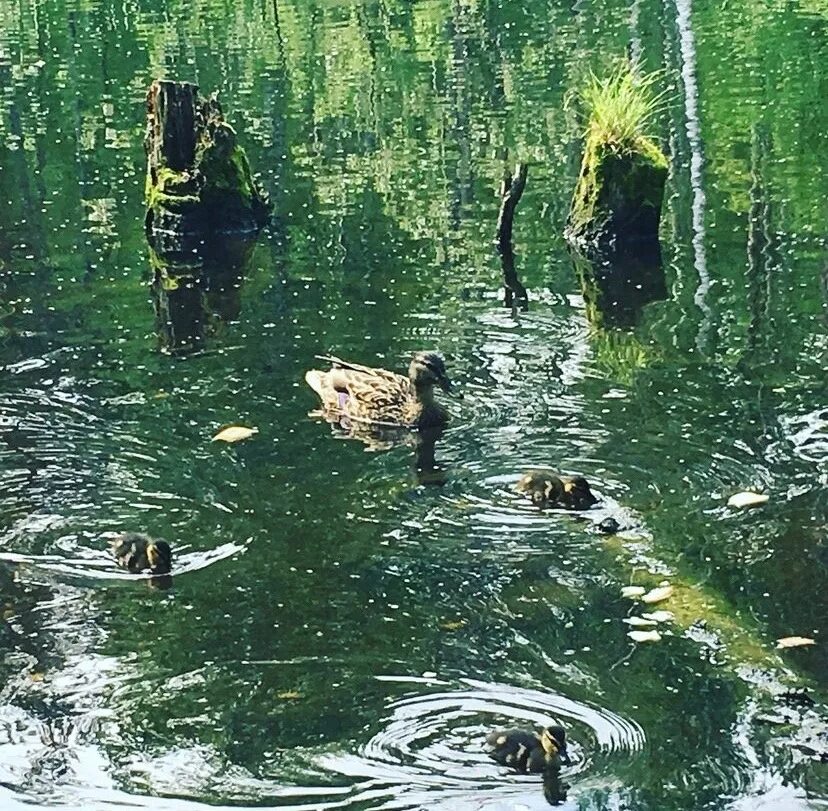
377,396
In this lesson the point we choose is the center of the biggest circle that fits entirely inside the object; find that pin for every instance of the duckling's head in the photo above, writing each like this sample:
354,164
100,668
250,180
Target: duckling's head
577,489
553,741
428,369
159,556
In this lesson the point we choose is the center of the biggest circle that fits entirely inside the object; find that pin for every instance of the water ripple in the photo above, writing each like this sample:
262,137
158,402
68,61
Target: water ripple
433,742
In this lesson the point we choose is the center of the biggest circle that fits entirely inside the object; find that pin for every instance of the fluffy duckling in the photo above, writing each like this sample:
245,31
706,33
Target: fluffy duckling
528,751
368,395
547,489
136,551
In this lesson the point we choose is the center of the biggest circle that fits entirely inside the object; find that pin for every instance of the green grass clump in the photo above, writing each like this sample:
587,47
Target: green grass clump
620,108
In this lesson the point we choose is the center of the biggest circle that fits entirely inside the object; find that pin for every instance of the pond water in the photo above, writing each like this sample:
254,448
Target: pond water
345,624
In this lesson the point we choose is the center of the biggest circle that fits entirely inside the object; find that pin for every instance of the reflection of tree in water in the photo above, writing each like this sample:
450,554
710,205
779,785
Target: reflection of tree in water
762,248
196,288
616,286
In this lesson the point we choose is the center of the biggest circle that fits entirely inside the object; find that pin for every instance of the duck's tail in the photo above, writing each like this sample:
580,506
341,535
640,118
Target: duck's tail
316,380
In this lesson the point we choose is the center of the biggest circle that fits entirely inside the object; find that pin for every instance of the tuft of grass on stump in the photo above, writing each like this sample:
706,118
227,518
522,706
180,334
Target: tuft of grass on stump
621,107
621,184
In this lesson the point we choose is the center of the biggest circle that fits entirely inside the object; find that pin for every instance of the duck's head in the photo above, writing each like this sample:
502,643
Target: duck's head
553,741
429,369
159,556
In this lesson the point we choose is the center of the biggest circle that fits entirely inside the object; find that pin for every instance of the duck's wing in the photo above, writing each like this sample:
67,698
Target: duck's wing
361,392
372,372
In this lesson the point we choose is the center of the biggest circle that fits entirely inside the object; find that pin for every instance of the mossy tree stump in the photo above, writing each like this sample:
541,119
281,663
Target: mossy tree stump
617,201
198,178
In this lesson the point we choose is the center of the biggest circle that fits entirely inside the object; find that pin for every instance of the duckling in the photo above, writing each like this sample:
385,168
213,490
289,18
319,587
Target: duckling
528,751
366,395
136,551
547,489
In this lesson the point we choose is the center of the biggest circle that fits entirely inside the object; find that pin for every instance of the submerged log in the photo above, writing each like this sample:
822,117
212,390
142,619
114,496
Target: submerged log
617,201
198,178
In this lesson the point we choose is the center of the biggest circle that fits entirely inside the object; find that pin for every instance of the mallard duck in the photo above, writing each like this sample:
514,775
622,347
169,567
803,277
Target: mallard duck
362,394
136,552
527,750
548,489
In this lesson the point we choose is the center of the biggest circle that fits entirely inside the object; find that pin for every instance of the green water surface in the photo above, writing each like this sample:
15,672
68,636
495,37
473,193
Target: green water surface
345,624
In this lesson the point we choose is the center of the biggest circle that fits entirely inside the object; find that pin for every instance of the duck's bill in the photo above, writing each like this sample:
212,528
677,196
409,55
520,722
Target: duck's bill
446,385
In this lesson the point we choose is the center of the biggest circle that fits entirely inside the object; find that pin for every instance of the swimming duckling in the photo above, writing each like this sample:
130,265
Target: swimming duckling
368,395
547,489
136,551
528,751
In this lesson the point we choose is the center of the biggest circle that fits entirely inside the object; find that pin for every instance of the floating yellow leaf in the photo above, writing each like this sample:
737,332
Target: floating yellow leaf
794,641
747,499
658,594
632,591
452,625
289,695
659,616
644,636
639,621
36,676
234,433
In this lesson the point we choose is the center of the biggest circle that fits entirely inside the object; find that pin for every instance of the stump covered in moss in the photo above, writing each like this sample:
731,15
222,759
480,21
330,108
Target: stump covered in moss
198,178
621,184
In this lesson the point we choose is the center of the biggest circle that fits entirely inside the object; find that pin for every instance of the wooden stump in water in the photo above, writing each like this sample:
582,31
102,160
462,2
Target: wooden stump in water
617,201
198,178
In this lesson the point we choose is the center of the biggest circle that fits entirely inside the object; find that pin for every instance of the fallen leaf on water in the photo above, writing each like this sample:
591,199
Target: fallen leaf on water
632,591
747,499
36,676
657,595
794,641
644,636
289,694
640,621
234,433
659,616
452,625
